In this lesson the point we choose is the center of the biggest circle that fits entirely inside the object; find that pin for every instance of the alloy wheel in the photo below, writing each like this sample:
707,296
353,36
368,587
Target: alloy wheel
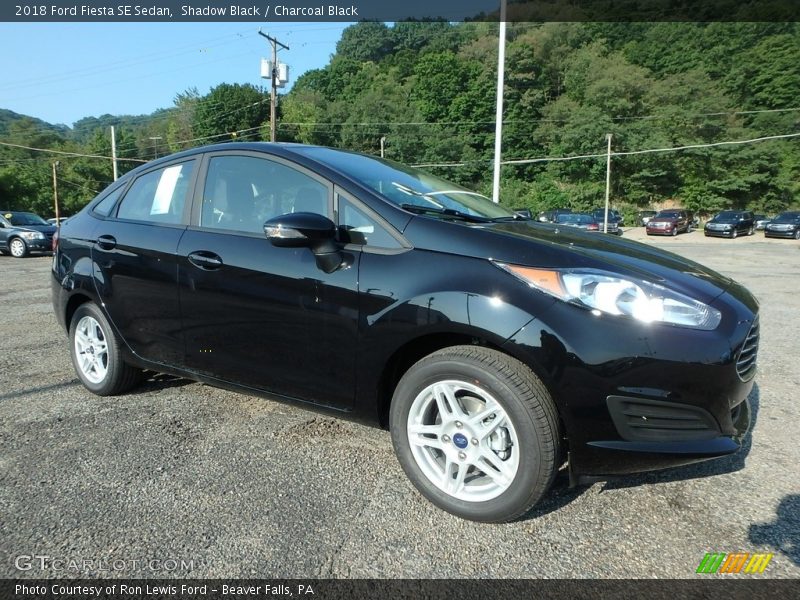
91,349
463,440
18,248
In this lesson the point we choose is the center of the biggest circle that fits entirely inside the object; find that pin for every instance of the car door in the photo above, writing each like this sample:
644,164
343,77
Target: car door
259,315
134,254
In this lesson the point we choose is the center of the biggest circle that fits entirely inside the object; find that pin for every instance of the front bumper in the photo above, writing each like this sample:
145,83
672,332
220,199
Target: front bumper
780,234
659,231
719,233
634,397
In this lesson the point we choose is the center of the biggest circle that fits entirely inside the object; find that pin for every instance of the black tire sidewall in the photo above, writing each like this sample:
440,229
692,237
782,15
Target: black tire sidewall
107,385
531,468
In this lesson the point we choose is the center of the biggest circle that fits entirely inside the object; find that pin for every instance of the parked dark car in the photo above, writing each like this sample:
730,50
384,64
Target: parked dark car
669,222
587,222
785,225
761,221
493,347
645,216
550,216
24,232
613,216
731,224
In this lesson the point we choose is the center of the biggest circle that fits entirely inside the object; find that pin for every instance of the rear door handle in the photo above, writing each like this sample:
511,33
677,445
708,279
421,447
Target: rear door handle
107,242
202,259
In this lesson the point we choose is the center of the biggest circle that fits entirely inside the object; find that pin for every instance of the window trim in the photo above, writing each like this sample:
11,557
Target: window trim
405,245
202,175
190,193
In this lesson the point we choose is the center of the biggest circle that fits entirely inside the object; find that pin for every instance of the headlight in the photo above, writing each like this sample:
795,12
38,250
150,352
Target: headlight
32,235
612,294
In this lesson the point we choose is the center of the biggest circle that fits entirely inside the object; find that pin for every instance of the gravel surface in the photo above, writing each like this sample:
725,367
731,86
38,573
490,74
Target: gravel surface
209,483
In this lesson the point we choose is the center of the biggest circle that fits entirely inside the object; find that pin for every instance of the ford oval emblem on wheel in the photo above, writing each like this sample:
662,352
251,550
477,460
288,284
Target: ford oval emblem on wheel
460,440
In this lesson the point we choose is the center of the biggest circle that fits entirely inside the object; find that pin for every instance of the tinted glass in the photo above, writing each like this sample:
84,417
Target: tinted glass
25,218
356,227
406,185
158,196
242,192
669,214
105,205
787,217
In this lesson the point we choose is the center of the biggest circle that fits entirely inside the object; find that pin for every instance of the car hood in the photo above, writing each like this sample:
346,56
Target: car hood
45,229
556,246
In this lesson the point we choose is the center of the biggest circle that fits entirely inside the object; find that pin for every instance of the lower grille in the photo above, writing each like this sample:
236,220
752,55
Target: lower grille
746,361
637,419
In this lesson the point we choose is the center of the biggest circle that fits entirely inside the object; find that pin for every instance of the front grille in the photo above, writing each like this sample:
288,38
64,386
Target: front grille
638,419
746,361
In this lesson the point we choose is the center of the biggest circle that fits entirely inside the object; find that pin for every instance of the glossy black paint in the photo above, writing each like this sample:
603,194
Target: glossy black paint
240,312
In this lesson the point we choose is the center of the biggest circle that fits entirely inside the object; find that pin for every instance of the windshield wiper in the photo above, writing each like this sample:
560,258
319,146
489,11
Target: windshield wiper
445,212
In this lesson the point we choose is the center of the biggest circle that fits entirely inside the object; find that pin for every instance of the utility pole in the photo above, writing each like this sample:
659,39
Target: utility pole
274,96
55,192
498,128
608,182
114,152
383,146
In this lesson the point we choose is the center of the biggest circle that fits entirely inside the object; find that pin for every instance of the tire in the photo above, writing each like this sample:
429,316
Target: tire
96,354
752,231
797,234
734,234
18,248
674,232
519,433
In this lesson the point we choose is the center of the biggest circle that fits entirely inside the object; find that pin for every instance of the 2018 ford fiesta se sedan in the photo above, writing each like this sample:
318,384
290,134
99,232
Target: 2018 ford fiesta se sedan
493,347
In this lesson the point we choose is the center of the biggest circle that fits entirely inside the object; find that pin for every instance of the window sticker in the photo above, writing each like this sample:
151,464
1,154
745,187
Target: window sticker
165,190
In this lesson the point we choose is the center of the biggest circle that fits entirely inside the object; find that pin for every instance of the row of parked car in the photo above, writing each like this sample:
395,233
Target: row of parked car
728,223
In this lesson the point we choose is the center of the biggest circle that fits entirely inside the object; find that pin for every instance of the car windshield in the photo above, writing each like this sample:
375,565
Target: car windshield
787,217
668,214
727,217
24,218
411,188
575,219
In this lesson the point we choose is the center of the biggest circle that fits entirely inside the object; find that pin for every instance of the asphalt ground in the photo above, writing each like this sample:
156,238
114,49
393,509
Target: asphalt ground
184,480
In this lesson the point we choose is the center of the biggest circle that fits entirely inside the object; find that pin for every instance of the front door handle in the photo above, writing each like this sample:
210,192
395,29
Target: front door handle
107,242
202,259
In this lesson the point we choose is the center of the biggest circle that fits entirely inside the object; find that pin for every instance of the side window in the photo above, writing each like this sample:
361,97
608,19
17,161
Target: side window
104,207
242,192
158,196
356,227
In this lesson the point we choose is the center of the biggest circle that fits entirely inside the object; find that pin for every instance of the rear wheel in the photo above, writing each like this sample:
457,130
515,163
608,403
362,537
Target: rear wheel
96,354
18,248
476,432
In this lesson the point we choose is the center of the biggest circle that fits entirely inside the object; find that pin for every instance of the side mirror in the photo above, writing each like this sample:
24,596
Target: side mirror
307,230
300,230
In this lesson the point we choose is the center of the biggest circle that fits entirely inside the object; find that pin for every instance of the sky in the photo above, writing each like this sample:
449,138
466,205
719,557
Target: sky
62,72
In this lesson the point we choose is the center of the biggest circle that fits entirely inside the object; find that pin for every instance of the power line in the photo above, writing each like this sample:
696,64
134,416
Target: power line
527,161
63,153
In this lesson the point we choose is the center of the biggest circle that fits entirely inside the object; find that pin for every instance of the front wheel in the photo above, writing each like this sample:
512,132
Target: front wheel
752,231
734,234
675,232
18,248
96,354
476,433
797,234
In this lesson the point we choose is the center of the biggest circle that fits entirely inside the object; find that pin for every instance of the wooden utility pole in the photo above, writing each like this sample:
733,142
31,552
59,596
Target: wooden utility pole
55,192
274,96
608,182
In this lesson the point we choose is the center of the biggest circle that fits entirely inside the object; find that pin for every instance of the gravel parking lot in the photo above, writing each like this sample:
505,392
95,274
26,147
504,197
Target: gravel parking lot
209,483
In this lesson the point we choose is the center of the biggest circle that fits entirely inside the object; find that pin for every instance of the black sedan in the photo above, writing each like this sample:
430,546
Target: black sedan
785,225
24,232
586,222
492,346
